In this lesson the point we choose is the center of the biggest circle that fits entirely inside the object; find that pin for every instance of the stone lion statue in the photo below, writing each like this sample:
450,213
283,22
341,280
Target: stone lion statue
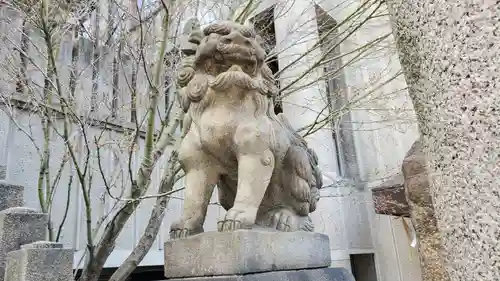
265,174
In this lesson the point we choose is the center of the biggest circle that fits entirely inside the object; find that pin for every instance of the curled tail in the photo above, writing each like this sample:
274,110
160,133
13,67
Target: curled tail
316,180
302,177
301,174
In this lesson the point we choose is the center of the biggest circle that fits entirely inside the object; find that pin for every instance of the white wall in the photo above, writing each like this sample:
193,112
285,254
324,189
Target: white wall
382,126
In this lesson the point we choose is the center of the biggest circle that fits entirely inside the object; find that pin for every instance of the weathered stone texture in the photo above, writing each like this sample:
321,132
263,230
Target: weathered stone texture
423,216
389,198
323,274
450,53
41,261
10,196
245,251
19,226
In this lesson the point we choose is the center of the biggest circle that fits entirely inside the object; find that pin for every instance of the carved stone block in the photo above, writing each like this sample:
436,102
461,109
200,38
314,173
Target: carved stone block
19,226
40,261
244,252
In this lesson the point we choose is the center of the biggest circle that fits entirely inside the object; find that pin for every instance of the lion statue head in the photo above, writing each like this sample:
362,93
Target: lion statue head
224,54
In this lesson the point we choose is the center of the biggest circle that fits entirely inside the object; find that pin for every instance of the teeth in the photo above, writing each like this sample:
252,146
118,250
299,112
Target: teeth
235,67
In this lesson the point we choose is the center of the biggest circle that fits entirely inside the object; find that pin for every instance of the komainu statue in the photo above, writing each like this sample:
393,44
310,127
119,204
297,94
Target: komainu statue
265,174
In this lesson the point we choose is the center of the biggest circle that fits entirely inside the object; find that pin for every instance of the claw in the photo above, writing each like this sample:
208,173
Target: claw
176,234
234,220
227,226
237,225
275,220
281,226
181,233
282,220
183,229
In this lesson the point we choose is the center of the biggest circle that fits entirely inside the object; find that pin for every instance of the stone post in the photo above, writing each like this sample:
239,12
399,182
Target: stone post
450,55
19,226
423,216
40,261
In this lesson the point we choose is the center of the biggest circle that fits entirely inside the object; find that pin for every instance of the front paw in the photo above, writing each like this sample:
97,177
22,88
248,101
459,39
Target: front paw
236,219
183,228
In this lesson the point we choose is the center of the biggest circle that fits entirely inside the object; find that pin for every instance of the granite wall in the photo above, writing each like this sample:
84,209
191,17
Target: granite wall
450,53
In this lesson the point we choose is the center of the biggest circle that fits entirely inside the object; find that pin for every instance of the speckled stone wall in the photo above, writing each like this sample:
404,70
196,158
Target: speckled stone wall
423,215
450,53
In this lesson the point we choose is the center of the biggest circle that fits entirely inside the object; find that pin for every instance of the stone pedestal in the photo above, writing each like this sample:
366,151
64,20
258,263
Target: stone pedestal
40,261
19,226
245,252
321,274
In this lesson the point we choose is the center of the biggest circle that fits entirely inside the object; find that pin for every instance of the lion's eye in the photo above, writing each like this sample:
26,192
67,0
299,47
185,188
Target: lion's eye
248,33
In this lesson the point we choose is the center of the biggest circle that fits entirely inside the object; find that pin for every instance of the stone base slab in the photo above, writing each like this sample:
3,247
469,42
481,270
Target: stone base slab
245,251
322,274
40,261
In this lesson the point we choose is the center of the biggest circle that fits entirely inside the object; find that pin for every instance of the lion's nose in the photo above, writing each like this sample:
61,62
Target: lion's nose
235,38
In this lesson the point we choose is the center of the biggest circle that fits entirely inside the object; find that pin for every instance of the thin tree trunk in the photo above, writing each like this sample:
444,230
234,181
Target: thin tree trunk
75,53
150,233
